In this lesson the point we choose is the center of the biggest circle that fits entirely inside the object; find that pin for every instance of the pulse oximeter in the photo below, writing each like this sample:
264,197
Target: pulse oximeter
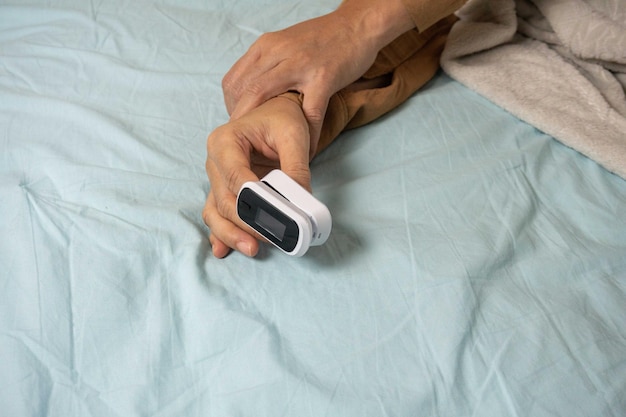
285,213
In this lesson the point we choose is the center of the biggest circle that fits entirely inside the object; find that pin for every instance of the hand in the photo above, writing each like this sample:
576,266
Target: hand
275,134
317,58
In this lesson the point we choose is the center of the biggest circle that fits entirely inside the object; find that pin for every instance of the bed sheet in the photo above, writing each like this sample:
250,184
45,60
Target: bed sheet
476,265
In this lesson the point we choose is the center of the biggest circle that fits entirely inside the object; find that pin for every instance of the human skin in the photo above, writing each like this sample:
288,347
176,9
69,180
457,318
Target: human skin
314,58
274,134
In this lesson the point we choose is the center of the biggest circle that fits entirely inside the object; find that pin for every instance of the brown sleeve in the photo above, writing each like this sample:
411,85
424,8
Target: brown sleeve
425,13
407,63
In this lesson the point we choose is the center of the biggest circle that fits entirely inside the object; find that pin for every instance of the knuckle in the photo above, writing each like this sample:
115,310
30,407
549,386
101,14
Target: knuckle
224,207
231,87
211,144
216,139
297,131
265,40
315,115
208,211
206,216
301,173
227,81
254,89
232,180
323,75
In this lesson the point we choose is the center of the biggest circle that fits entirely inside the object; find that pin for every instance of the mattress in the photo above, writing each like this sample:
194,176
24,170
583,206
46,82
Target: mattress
476,267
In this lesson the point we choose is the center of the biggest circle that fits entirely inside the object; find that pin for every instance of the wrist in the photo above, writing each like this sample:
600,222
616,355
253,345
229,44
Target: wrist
375,22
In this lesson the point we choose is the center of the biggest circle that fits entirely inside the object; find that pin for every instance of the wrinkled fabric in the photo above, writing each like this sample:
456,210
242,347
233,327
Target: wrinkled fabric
408,63
476,265
558,64
426,13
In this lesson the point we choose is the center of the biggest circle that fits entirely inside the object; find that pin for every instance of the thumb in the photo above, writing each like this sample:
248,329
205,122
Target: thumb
301,175
294,160
314,106
296,166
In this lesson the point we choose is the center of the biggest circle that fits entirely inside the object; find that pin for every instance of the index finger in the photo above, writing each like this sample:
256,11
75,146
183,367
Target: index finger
230,157
292,144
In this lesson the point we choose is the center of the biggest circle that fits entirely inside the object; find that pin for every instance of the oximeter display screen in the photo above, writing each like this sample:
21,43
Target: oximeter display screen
270,224
266,219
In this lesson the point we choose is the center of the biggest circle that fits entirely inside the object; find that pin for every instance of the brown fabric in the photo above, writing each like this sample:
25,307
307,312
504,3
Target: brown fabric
426,13
409,62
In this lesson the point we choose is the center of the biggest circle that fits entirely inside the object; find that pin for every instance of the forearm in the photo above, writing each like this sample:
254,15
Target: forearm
382,21
400,69
375,22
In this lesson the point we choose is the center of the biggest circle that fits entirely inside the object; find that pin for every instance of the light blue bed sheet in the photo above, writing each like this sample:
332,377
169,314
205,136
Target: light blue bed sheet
476,267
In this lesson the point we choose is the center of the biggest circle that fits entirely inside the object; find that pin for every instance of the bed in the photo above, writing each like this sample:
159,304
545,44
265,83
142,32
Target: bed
476,267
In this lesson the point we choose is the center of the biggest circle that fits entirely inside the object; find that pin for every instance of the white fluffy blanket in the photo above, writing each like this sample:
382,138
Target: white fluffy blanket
560,65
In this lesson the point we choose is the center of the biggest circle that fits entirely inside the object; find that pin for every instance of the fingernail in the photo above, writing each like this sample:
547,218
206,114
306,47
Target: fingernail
244,248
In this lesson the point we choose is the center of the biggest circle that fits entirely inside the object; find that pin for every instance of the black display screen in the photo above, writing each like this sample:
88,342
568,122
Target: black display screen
266,219
270,224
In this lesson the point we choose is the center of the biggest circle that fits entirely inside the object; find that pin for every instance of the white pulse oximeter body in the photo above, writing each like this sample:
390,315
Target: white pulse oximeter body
283,212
